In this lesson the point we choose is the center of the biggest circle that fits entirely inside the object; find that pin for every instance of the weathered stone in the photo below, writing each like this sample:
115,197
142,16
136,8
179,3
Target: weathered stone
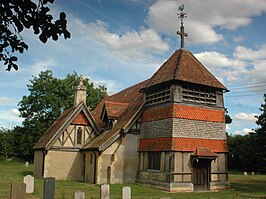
252,173
18,191
245,173
79,195
27,164
49,188
29,181
105,191
126,193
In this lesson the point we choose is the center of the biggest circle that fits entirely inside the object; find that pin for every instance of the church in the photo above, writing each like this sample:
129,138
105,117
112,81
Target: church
167,131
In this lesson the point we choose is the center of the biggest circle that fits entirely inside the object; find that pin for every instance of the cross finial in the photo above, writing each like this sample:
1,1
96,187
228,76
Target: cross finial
182,33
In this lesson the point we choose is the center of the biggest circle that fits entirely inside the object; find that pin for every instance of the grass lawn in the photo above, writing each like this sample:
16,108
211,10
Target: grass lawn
241,186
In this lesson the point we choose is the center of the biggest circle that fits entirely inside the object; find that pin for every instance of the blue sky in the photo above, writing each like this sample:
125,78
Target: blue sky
119,43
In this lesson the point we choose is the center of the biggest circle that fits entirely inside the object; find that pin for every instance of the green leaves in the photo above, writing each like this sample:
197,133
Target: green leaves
17,15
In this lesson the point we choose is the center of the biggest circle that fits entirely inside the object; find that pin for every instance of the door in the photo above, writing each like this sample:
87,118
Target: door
201,174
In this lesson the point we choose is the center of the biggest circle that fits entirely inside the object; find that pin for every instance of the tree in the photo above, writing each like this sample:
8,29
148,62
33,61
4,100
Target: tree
17,15
48,98
261,138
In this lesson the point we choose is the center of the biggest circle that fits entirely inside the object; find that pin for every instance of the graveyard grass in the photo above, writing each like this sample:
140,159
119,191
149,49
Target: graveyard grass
14,171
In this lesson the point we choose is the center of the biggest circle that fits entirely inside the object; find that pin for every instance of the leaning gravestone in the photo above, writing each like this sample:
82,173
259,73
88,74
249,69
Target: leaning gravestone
18,191
79,195
29,181
105,191
27,164
49,188
126,193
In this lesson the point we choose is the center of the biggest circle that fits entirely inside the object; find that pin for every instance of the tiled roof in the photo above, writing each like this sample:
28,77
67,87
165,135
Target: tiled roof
41,143
181,144
203,152
115,109
183,112
130,96
81,119
183,66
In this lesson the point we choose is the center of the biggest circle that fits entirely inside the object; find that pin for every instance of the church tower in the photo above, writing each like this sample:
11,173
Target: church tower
182,144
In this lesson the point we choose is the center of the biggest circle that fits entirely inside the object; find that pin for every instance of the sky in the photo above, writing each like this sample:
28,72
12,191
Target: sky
118,43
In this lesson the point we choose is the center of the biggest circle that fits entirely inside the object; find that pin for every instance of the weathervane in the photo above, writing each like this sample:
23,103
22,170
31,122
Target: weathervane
182,33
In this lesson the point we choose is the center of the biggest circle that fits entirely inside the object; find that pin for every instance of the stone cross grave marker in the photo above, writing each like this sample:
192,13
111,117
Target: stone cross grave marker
79,195
49,188
27,164
126,193
29,181
18,191
105,191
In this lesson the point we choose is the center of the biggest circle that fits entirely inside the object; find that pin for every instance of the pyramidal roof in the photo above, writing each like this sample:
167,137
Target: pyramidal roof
184,66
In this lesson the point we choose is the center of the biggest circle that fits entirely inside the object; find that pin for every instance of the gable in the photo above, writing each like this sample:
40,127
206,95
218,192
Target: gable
81,119
64,131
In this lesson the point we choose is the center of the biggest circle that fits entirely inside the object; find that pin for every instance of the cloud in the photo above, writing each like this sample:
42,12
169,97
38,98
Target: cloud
9,118
245,116
5,100
244,53
244,131
238,38
203,17
131,45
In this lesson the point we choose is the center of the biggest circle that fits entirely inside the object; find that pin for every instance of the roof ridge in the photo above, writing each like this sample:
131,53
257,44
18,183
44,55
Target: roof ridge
177,68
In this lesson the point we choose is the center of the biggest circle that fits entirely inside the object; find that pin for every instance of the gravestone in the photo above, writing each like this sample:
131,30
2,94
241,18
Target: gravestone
245,173
165,198
29,181
18,191
126,193
253,173
49,188
105,191
27,164
79,195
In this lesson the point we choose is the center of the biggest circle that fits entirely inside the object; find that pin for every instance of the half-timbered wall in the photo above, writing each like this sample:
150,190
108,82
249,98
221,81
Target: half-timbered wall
69,137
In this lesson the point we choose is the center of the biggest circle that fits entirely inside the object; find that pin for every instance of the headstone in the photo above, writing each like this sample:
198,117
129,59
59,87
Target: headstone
18,191
79,195
27,164
49,188
165,198
105,191
29,181
126,193
253,173
245,173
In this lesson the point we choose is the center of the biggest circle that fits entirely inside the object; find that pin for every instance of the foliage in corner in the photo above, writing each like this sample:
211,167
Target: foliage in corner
17,15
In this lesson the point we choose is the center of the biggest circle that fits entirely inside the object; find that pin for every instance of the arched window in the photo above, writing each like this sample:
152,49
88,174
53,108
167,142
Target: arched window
79,136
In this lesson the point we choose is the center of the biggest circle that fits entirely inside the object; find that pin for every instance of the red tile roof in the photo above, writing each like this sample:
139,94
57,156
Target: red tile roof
81,119
115,109
183,66
183,112
130,96
203,152
181,144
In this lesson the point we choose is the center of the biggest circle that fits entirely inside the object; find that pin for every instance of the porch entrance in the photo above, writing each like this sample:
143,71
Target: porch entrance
201,175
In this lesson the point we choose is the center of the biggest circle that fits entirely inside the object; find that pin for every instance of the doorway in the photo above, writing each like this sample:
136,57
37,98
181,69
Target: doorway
201,174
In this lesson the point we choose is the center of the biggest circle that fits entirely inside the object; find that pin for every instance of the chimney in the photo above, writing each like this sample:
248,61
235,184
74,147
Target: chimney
80,93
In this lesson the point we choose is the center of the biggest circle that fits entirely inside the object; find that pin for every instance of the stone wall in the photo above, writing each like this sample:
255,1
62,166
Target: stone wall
175,127
55,165
38,163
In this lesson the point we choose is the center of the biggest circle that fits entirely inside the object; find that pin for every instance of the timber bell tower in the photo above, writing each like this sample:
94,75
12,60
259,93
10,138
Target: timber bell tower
182,144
